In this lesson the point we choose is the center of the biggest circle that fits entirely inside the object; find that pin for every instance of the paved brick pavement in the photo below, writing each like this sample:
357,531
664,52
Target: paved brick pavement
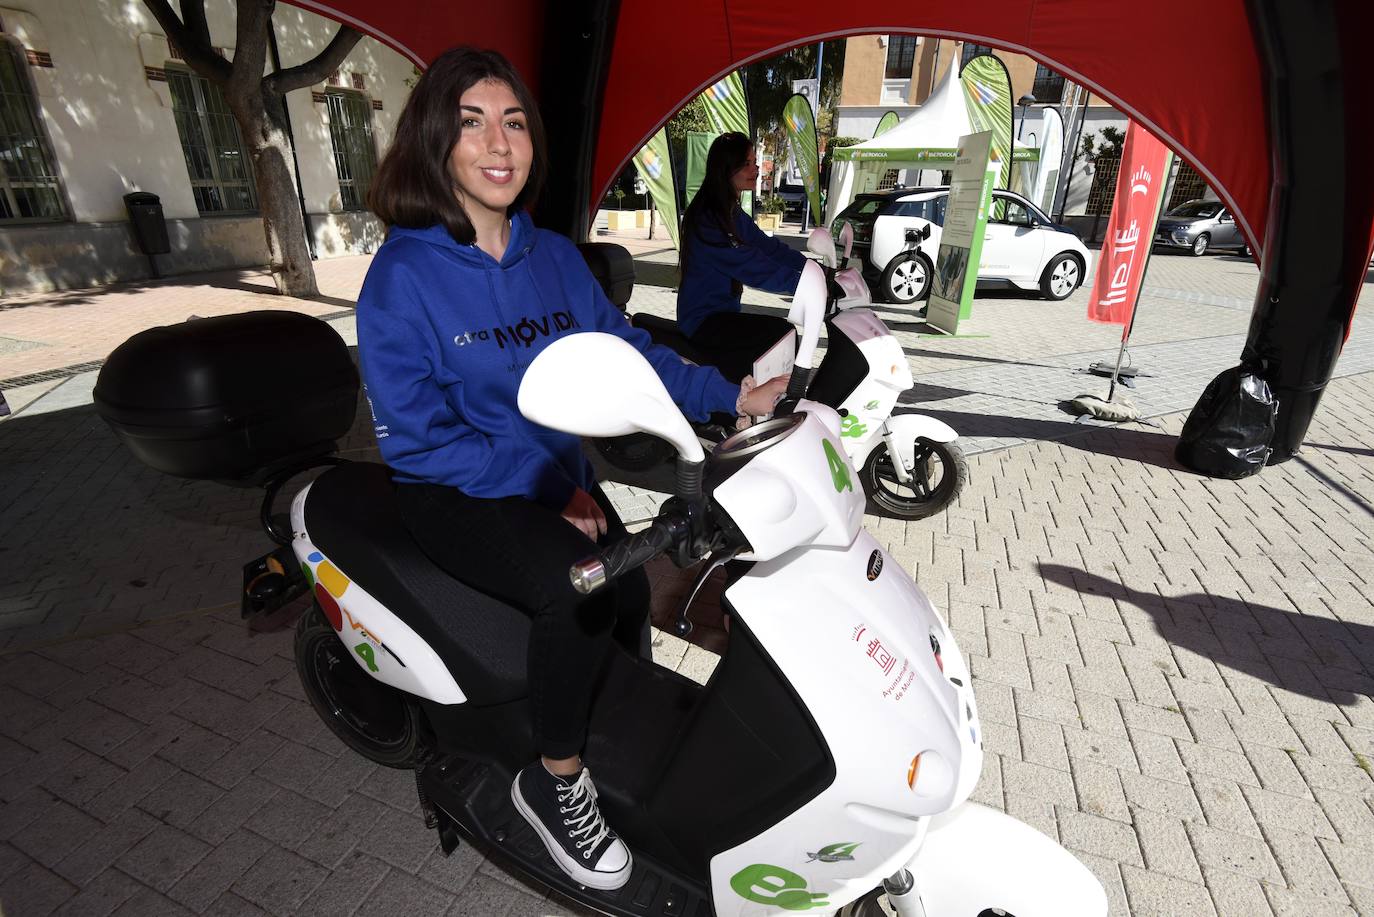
1176,674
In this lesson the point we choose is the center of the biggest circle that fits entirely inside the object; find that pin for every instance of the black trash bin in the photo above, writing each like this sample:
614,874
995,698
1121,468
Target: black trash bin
150,227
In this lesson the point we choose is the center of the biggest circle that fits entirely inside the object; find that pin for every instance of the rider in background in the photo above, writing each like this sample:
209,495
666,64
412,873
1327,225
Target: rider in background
723,251
460,299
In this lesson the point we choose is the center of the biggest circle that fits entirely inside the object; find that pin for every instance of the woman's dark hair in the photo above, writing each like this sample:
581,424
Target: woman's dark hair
412,187
717,198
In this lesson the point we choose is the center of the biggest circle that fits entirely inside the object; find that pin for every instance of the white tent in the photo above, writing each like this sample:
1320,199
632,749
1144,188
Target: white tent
927,139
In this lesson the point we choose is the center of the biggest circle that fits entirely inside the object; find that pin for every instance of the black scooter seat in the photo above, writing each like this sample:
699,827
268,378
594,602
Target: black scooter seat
665,331
352,519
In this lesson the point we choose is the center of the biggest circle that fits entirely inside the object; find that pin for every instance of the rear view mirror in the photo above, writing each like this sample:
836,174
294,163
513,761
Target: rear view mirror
822,243
596,384
808,311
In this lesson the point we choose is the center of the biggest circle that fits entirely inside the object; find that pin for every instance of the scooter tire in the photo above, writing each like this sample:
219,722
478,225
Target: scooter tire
375,720
886,492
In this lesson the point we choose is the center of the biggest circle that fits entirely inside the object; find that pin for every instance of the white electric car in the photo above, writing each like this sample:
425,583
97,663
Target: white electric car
1022,248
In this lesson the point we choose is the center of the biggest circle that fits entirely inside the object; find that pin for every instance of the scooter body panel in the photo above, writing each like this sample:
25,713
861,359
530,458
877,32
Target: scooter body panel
801,490
856,639
382,644
976,858
889,375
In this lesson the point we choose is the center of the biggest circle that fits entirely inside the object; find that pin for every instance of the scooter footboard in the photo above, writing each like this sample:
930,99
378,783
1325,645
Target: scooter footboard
976,858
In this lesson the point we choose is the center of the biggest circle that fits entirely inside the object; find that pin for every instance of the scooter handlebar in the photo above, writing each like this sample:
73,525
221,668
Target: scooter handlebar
592,573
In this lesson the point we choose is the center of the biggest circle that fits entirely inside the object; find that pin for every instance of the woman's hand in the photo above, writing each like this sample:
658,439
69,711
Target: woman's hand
583,512
760,401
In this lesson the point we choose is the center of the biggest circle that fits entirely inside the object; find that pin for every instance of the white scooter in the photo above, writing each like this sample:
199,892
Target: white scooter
824,768
909,464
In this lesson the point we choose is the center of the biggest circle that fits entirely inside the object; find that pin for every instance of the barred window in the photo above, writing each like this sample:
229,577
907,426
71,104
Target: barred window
29,190
971,51
1048,85
901,55
355,156
221,177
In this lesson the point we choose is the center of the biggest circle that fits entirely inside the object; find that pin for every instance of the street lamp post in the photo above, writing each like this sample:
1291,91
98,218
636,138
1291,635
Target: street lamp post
1026,101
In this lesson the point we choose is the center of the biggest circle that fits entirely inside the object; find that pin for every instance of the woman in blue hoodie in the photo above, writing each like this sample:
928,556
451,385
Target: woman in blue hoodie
723,251
463,295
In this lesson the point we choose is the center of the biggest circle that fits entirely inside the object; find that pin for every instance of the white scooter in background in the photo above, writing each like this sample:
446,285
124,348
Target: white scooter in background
910,464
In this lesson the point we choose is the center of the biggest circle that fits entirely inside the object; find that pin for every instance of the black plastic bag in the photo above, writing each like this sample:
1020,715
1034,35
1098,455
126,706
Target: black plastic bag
1228,434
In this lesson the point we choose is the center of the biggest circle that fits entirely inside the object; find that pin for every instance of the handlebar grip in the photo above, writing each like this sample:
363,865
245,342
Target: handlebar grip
590,574
798,383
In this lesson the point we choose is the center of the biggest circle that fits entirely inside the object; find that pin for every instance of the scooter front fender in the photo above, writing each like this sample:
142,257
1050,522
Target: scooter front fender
975,858
905,430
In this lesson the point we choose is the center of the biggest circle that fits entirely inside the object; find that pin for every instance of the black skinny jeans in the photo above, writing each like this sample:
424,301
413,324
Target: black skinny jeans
519,552
733,340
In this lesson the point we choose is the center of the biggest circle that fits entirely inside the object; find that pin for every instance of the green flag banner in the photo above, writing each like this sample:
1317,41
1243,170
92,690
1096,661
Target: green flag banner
801,133
886,123
725,105
987,90
698,149
728,108
655,166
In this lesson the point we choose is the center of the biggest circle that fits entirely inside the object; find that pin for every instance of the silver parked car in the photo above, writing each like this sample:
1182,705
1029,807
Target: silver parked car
1200,226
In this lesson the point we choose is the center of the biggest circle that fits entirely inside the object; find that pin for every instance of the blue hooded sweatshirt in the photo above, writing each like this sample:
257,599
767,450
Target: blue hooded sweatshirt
716,260
445,334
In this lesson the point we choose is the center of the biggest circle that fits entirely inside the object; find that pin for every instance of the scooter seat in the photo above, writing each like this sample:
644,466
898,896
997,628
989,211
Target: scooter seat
665,331
352,518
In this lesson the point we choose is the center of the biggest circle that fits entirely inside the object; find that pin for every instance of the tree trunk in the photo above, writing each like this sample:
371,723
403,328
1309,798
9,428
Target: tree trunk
288,256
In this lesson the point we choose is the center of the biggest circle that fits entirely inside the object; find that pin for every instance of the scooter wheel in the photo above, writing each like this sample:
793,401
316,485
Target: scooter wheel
938,475
374,719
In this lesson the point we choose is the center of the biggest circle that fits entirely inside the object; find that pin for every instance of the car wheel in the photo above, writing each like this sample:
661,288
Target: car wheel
1201,244
907,278
1062,276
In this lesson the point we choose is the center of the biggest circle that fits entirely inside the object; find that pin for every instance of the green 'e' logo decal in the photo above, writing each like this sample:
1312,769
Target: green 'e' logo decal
839,471
776,886
365,653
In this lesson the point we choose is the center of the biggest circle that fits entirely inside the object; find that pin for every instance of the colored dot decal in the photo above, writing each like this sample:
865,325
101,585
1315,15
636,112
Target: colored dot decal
329,607
333,580
309,574
315,557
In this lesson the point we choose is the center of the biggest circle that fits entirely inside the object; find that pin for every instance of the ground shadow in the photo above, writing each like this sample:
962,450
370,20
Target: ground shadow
1330,447
1274,645
1332,484
1122,441
244,280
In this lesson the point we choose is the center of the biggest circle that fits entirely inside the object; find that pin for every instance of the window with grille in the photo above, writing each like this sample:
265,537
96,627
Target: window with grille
971,51
1104,185
889,179
28,171
1188,186
1048,85
221,177
901,55
355,157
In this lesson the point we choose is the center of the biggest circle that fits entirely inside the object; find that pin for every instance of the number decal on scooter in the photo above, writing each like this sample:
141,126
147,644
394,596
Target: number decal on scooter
839,471
776,886
365,652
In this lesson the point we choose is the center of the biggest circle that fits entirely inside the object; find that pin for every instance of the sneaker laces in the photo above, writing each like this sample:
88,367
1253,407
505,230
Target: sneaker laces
580,799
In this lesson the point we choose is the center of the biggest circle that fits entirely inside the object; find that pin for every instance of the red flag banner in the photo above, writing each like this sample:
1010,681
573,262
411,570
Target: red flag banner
1135,209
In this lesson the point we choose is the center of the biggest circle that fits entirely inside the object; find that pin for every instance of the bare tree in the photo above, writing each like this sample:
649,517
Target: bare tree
258,104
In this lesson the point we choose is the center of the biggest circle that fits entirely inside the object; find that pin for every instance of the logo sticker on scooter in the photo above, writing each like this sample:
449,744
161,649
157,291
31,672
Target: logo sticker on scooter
364,651
875,565
773,885
839,471
851,427
872,405
834,853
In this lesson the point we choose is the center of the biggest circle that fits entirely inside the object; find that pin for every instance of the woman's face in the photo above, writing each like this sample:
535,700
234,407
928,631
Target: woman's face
747,175
490,163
